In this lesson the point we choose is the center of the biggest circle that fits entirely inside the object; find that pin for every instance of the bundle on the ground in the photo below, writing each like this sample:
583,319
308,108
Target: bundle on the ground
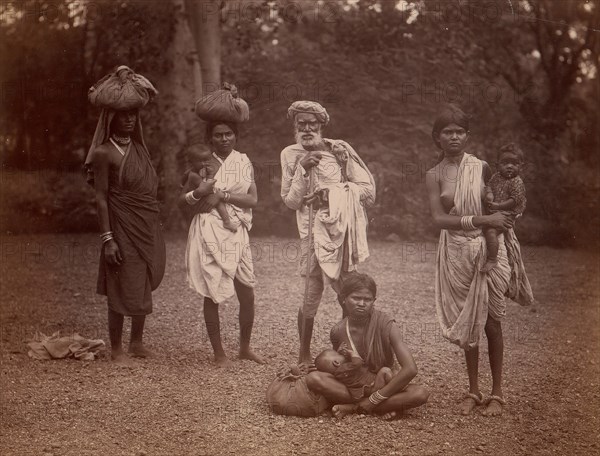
223,105
122,90
289,395
57,347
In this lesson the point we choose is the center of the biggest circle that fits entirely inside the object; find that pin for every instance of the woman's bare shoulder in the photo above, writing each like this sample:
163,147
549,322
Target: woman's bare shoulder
433,175
436,169
101,152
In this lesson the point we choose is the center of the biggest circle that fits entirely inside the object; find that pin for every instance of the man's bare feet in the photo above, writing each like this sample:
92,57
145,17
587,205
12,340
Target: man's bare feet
120,359
223,361
249,354
229,225
489,265
341,410
139,350
494,407
470,401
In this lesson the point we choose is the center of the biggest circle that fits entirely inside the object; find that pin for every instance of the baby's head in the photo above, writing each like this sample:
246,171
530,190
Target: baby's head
510,160
328,361
199,156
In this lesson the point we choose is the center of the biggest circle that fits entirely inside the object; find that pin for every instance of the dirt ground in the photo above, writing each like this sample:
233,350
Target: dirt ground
178,403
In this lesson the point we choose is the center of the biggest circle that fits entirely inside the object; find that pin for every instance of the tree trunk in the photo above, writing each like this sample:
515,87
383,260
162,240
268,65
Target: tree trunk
176,103
204,18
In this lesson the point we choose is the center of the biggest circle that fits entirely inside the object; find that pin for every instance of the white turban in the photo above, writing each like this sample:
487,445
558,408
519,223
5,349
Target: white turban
308,107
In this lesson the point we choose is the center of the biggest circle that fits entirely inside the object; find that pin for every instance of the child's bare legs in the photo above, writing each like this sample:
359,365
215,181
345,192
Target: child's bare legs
381,379
227,223
491,241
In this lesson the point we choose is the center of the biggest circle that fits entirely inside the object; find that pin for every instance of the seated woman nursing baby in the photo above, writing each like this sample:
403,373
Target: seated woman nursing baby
372,384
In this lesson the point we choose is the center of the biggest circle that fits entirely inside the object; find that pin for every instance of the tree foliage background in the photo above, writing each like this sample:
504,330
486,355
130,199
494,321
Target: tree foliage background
526,70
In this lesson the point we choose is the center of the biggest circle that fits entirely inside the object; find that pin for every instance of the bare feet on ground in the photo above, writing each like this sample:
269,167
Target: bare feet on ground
120,359
470,402
223,361
138,350
249,354
341,410
388,416
494,407
489,265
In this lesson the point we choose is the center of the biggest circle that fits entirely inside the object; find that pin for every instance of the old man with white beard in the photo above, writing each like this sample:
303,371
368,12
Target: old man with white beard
342,189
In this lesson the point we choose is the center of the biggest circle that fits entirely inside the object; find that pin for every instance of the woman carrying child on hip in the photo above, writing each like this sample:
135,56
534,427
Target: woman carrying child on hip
218,256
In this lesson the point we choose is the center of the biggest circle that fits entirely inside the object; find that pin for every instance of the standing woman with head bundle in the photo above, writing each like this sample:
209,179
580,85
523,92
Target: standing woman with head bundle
218,255
118,165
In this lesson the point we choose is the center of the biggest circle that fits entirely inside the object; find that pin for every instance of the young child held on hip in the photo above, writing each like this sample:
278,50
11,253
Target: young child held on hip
504,192
204,166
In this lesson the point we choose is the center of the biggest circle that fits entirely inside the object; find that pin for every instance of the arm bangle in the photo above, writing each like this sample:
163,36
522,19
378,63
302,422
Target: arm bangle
470,223
378,395
376,398
107,236
190,198
466,223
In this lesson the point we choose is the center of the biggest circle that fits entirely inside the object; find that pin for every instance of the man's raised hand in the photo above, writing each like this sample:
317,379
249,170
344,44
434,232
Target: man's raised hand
311,159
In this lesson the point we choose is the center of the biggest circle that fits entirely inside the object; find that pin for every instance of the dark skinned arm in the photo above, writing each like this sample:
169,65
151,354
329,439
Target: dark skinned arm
403,377
101,165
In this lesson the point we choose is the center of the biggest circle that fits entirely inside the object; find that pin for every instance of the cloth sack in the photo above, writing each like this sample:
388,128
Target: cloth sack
122,90
289,395
45,347
223,105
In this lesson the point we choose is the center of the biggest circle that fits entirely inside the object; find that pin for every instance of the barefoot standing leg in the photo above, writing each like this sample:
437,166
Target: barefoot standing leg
213,328
493,331
246,319
136,347
115,330
470,401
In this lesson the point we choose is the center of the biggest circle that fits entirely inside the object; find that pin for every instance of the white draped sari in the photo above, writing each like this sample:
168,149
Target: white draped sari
464,295
215,255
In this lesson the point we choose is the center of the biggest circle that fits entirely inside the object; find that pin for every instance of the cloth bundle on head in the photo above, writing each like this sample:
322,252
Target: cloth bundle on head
223,105
308,107
122,90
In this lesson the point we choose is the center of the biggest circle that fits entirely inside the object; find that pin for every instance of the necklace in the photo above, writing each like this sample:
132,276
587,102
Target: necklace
359,320
122,140
455,159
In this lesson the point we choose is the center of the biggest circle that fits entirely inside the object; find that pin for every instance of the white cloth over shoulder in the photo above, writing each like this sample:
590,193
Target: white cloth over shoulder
294,178
465,296
344,214
215,255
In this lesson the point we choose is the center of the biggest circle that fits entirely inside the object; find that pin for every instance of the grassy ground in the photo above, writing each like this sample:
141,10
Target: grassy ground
179,404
